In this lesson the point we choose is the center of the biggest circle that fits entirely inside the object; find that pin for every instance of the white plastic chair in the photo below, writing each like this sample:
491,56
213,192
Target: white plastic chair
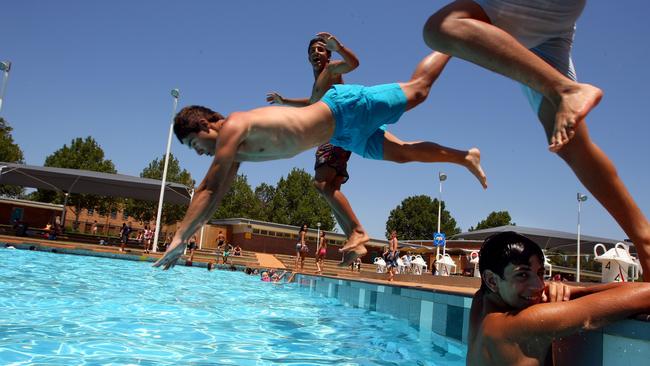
381,264
419,265
401,267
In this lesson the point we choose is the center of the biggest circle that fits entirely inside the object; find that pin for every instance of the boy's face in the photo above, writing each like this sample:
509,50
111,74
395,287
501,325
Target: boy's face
522,284
318,55
203,142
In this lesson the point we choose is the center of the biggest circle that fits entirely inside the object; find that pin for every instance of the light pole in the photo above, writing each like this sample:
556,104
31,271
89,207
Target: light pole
175,95
5,66
581,198
441,177
317,237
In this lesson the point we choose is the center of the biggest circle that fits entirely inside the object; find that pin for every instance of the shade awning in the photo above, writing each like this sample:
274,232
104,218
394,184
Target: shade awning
546,239
89,182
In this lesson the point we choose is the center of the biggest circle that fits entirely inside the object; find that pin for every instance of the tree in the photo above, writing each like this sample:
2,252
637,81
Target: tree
494,219
10,152
240,201
416,218
296,201
85,154
146,211
265,194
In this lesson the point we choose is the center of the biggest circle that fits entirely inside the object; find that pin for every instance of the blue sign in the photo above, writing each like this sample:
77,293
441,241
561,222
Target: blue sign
439,239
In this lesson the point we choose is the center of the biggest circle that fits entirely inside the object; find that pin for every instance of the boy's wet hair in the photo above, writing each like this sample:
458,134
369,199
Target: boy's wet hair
318,39
188,120
505,248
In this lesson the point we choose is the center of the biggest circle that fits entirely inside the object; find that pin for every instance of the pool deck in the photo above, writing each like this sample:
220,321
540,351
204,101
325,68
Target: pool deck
452,285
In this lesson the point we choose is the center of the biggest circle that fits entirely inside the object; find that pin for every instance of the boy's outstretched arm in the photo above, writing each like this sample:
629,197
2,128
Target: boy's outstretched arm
209,193
350,60
276,98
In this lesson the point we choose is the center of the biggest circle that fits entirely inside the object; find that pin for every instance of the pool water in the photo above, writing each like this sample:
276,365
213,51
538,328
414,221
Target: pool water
60,309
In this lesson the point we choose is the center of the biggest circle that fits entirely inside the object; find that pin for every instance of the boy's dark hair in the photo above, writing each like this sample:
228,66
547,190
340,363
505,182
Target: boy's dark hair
187,121
318,39
504,248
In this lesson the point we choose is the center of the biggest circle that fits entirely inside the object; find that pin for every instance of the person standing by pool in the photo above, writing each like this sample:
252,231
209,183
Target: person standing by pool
302,241
392,255
226,252
124,235
331,160
515,316
192,247
530,41
348,115
321,251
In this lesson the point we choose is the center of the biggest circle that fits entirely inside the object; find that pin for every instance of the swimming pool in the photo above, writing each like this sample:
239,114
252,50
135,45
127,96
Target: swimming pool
62,309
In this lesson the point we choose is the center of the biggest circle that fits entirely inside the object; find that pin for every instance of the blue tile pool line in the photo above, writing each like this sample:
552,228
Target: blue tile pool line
443,316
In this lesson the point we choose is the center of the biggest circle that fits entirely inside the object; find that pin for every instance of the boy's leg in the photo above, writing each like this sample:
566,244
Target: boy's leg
399,151
462,29
426,72
328,183
598,174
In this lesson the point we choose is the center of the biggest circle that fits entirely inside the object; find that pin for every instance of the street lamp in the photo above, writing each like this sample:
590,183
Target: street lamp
581,198
175,95
5,66
441,177
317,237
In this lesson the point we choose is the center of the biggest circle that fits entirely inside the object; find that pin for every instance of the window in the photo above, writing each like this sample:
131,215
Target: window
114,214
125,215
91,212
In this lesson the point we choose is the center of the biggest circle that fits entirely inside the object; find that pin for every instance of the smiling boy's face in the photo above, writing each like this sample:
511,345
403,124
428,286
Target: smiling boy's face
318,56
522,284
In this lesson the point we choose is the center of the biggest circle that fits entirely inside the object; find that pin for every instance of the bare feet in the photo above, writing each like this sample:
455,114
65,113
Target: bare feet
352,254
572,109
358,237
473,164
172,254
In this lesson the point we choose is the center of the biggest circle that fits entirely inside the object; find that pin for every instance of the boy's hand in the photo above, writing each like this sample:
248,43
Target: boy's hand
173,254
331,43
274,98
556,292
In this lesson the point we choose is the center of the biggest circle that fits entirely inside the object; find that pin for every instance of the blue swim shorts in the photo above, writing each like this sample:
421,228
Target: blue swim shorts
362,113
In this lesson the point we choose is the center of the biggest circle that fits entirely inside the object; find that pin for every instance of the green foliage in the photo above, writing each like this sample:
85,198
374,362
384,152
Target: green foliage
10,152
494,219
145,211
416,218
265,194
85,154
296,201
240,201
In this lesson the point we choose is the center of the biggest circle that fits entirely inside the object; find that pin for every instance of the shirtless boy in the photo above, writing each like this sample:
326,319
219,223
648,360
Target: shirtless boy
530,41
331,160
515,316
349,116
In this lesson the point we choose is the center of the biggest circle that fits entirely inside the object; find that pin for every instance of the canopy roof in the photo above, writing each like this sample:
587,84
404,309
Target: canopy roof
546,239
85,181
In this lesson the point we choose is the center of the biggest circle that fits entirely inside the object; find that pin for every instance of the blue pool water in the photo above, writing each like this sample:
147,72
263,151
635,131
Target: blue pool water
60,309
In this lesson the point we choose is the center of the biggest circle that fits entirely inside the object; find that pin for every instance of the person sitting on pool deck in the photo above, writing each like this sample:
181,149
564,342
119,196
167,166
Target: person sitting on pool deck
515,316
349,116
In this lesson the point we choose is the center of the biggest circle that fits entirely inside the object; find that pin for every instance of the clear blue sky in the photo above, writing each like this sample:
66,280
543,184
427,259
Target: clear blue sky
106,68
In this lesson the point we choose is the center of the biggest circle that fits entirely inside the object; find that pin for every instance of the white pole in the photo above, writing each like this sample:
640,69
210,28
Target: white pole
5,66
439,212
578,249
175,94
317,237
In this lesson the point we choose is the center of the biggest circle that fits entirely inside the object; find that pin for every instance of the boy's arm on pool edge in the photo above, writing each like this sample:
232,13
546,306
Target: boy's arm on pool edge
591,311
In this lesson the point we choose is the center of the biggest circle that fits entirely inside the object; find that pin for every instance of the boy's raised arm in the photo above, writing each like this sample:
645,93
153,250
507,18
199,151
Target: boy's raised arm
350,60
210,192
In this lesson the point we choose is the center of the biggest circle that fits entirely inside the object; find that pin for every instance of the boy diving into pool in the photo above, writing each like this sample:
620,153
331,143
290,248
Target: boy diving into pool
348,116
331,161
515,316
